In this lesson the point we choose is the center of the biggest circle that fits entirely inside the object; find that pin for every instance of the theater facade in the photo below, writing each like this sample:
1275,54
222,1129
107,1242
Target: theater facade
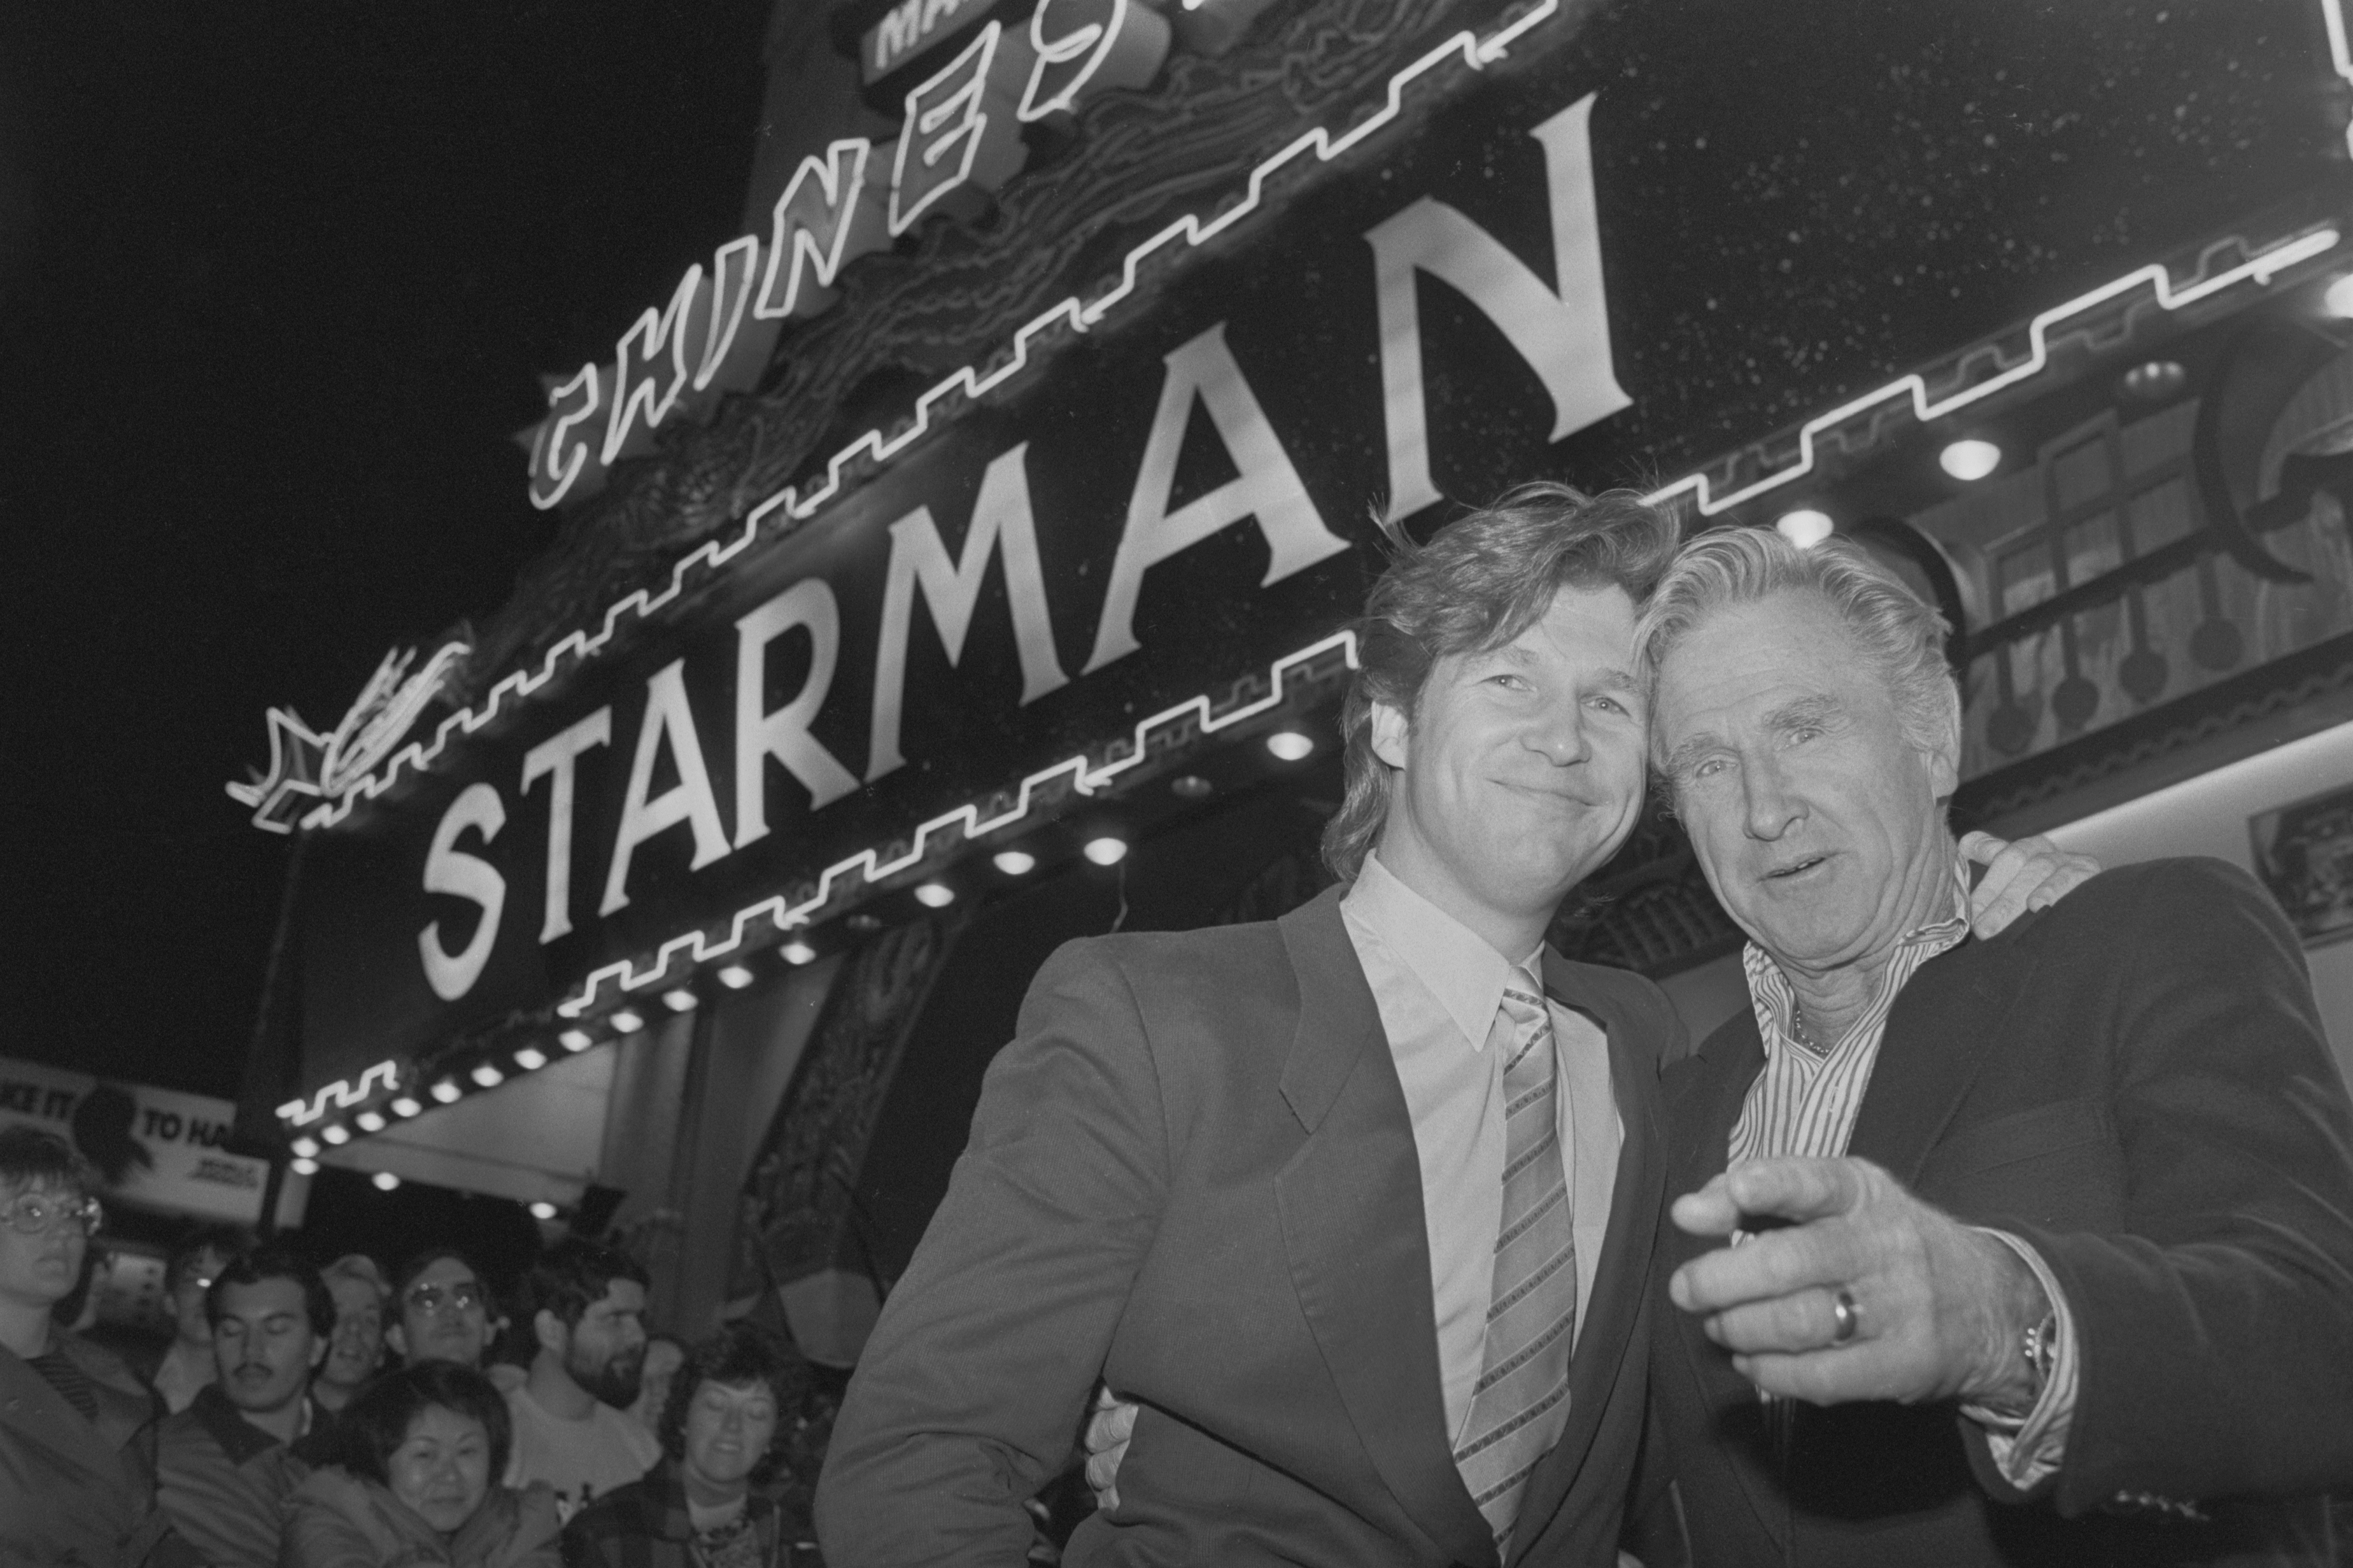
959,558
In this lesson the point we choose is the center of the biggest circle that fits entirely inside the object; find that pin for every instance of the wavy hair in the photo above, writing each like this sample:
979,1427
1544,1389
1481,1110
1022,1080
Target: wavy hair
1900,638
1478,582
736,1355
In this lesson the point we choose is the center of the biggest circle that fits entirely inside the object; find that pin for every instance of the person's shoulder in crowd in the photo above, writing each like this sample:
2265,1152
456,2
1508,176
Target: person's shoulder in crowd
516,1527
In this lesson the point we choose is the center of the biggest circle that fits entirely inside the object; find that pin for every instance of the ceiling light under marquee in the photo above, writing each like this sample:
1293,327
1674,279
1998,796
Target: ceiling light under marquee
735,977
935,895
798,952
531,1059
488,1075
1969,459
2337,298
447,1092
304,1148
406,1106
1805,526
385,1181
1016,862
680,1000
338,1134
304,1167
369,1121
1107,850
576,1039
543,1210
627,1022
1290,745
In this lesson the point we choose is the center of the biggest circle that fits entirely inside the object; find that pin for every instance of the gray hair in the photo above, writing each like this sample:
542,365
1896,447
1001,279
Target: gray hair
1899,636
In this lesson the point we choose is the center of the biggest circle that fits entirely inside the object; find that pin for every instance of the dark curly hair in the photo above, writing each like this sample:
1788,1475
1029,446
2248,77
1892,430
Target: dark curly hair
734,1356
270,1260
375,1423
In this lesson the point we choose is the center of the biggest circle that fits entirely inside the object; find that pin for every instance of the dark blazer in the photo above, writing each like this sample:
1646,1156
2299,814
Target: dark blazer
1193,1173
79,1491
2136,1082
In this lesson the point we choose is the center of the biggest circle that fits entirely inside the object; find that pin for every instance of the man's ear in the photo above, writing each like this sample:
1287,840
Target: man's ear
547,1329
1391,731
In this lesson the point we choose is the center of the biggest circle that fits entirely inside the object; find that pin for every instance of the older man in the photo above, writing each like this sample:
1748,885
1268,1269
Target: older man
2059,1225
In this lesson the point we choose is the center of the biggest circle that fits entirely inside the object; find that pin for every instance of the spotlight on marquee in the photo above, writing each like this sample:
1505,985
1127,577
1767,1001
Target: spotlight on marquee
1290,745
406,1106
1969,459
336,1134
370,1121
735,977
385,1181
627,1022
543,1210
488,1075
576,1039
1107,850
304,1167
680,1000
935,895
531,1059
798,952
447,1092
1805,526
305,1148
1016,862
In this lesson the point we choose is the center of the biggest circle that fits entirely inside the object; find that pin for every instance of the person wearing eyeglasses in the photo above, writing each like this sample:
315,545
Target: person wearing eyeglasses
443,1310
188,1275
77,1429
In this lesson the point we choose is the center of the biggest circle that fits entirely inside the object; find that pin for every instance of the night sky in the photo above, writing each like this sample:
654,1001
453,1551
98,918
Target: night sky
276,285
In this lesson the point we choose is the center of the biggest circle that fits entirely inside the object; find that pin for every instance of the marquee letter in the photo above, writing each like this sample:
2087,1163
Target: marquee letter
449,870
734,266
557,757
785,733
823,219
1267,488
668,718
920,560
1094,44
1563,332
947,141
558,456
644,390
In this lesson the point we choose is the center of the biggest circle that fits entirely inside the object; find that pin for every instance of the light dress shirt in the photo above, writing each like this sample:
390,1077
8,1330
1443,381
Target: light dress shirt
1438,987
1804,1104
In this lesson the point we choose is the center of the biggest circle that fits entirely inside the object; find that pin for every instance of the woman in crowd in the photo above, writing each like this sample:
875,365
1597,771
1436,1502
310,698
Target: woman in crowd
417,1454
708,1504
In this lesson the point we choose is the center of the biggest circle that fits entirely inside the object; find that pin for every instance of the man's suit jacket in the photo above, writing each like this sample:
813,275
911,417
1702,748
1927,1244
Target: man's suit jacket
79,1491
2136,1081
1193,1173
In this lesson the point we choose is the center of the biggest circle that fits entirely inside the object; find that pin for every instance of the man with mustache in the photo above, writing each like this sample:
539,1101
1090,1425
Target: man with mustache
587,1306
1357,1206
225,1464
2030,1249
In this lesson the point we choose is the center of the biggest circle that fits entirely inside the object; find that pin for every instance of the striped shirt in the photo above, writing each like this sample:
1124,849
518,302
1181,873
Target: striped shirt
1804,1105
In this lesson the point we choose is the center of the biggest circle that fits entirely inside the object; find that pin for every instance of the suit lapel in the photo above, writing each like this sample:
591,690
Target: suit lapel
1353,1223
1926,1062
1622,1274
36,1411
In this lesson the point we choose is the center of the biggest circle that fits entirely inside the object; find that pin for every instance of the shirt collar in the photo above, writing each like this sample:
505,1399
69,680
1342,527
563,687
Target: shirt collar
1776,999
1452,962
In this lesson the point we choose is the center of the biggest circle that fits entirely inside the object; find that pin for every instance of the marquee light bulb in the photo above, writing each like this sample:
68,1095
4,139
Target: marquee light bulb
305,1148
447,1092
1969,459
337,1134
1805,526
1107,850
574,1039
531,1059
735,977
406,1106
543,1210
2339,299
680,1000
488,1075
1290,745
797,951
627,1022
1016,862
304,1167
370,1121
385,1181
935,895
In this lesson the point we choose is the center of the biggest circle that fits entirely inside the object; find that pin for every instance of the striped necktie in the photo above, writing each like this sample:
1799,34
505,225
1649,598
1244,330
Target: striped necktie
1521,1402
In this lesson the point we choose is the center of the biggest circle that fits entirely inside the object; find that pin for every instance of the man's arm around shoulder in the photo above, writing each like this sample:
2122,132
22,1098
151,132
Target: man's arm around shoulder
968,1396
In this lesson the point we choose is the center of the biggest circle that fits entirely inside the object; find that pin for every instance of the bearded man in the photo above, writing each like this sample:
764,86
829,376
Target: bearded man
587,1306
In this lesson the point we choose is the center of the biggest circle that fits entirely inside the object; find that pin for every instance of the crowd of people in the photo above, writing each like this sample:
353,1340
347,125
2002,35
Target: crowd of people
345,1417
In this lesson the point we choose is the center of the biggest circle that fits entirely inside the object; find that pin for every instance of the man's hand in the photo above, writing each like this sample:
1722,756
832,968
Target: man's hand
2031,874
1869,1293
1108,1430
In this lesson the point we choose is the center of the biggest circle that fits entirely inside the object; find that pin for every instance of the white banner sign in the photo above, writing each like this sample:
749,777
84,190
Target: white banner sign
153,1147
